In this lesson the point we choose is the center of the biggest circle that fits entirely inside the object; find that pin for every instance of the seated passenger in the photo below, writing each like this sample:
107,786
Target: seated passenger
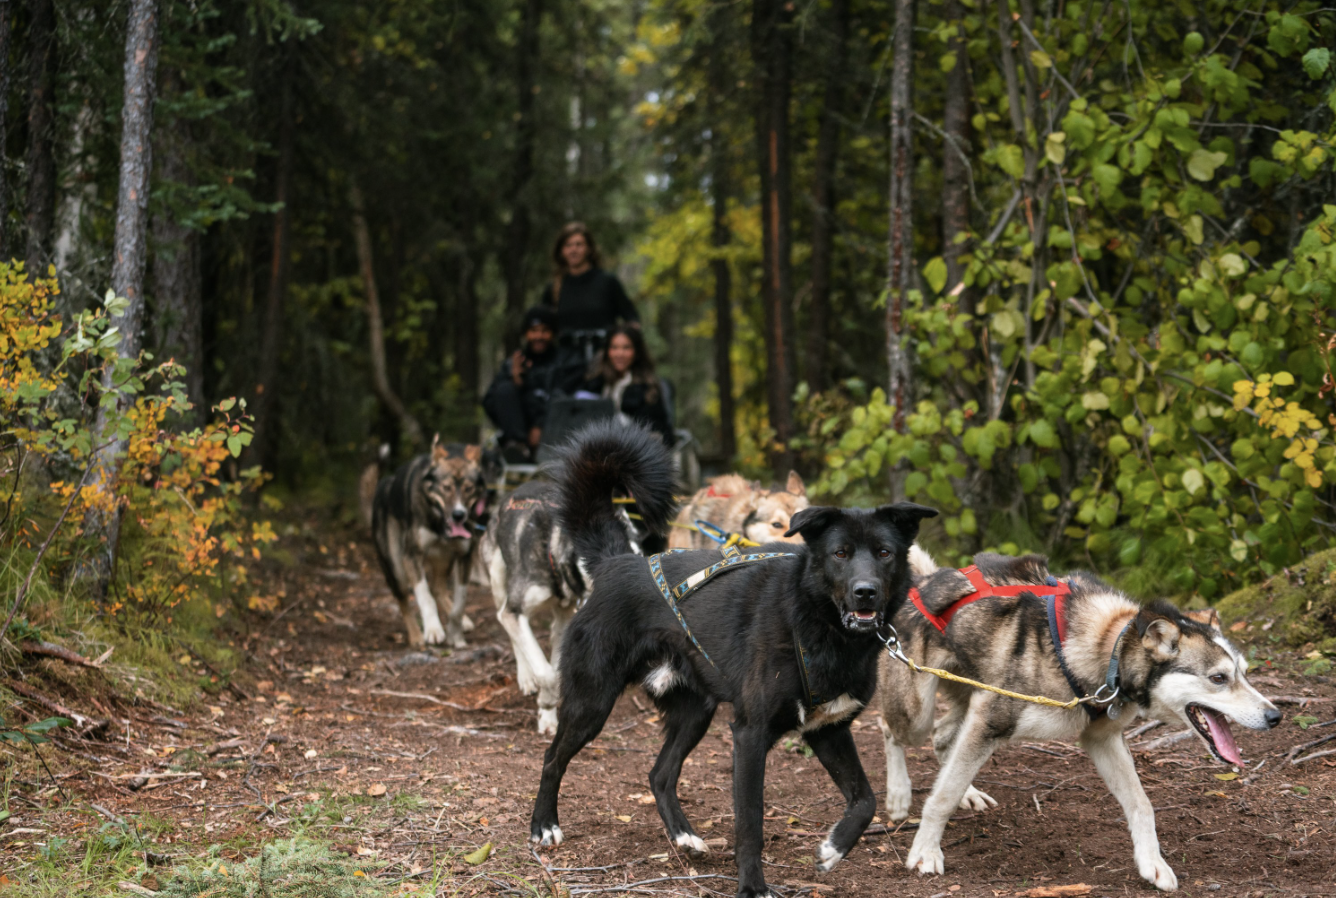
625,374
517,399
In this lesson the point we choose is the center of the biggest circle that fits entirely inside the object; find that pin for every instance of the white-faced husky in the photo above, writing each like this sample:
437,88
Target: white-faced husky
1007,622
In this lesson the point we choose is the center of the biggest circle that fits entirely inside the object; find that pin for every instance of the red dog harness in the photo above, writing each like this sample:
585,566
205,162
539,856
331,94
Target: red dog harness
983,590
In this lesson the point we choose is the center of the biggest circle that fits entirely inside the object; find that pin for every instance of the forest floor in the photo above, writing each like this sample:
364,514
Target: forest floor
403,764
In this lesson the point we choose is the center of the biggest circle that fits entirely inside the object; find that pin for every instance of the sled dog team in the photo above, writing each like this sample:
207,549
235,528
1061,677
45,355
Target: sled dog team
793,633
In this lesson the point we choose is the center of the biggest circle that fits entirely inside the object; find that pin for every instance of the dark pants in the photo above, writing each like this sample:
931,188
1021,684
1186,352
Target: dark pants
504,404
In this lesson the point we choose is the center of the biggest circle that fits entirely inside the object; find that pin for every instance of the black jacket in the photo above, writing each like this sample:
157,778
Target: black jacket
637,406
594,300
537,384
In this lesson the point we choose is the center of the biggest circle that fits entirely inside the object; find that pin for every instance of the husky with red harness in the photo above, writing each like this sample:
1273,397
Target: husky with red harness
1009,623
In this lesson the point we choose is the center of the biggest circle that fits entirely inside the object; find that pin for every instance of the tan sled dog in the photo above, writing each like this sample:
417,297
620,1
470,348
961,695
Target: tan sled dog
737,505
1007,622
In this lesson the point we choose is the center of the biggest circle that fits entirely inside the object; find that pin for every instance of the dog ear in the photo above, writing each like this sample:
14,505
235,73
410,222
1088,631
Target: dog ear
795,485
473,453
1161,638
811,522
1205,616
437,450
905,517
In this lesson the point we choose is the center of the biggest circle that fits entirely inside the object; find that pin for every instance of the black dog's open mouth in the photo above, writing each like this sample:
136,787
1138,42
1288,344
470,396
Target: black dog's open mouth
1214,729
860,620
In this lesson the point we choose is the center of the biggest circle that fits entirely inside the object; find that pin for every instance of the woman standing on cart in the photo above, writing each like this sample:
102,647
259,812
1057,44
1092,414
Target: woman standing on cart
589,301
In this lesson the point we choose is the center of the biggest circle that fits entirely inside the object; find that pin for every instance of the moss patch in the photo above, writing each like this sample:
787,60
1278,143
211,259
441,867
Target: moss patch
1301,600
294,868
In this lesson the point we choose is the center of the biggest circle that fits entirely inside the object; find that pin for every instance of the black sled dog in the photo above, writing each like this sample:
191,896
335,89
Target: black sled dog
789,638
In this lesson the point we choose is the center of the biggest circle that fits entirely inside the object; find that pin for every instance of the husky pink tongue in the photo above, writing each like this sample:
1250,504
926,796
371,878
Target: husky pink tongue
1222,737
459,531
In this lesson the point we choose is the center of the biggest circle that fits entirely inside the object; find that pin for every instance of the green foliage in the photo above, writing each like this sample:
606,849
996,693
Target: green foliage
33,733
1148,385
299,868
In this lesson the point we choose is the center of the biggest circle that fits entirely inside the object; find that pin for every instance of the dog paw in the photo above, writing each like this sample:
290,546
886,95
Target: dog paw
546,836
975,800
828,856
898,803
433,634
527,682
692,844
457,641
1158,873
466,624
547,721
926,859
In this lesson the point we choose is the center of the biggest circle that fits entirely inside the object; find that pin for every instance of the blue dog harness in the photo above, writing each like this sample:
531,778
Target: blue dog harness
732,560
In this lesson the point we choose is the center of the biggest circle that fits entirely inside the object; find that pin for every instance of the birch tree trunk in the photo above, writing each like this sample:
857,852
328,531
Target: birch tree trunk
380,379
955,173
130,246
41,200
772,51
901,234
823,198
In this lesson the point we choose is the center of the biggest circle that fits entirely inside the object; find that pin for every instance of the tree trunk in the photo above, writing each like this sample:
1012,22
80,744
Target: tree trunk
823,198
901,237
380,380
955,174
720,237
177,280
466,335
772,45
4,129
271,339
41,211
520,228
129,251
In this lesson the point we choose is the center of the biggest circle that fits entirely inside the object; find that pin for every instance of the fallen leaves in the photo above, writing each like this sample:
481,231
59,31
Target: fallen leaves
1067,891
478,856
375,790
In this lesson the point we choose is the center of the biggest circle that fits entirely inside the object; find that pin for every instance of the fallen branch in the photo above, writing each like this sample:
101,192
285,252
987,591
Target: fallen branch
88,725
51,650
1317,754
1293,754
214,749
1297,699
1164,741
421,696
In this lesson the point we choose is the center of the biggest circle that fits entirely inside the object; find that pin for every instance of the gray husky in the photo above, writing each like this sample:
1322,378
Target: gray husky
423,519
995,622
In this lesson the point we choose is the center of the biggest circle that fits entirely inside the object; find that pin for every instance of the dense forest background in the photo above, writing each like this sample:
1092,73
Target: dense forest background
1064,269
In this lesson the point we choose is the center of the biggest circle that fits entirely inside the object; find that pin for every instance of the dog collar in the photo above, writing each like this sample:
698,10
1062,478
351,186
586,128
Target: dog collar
983,590
1103,701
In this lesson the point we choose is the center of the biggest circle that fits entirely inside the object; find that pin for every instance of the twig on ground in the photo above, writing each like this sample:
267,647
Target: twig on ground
1163,741
455,705
1293,754
88,725
51,650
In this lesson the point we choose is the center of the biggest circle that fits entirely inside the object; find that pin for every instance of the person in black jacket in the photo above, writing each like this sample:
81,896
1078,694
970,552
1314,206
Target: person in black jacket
625,374
517,399
587,299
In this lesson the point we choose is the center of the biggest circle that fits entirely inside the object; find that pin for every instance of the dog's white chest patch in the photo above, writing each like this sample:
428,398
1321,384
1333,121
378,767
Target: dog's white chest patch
661,679
831,712
425,538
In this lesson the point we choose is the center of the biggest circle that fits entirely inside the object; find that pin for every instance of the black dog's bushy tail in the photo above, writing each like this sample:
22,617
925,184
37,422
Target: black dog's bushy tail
607,460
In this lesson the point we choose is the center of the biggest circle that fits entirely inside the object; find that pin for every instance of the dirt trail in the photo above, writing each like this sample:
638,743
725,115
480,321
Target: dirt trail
415,759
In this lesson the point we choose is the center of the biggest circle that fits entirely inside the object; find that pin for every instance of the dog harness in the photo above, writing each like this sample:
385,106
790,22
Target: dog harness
732,559
1055,594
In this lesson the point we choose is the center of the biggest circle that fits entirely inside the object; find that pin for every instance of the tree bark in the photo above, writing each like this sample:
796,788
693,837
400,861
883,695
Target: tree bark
41,211
380,380
129,252
772,46
823,198
271,338
466,335
177,279
720,237
955,174
901,233
519,230
4,129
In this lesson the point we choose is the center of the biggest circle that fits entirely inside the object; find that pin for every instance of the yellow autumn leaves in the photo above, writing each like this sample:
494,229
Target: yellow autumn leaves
1285,420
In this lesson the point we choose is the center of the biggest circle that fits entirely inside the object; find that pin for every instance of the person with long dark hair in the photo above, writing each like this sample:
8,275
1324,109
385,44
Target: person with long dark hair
586,298
625,374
